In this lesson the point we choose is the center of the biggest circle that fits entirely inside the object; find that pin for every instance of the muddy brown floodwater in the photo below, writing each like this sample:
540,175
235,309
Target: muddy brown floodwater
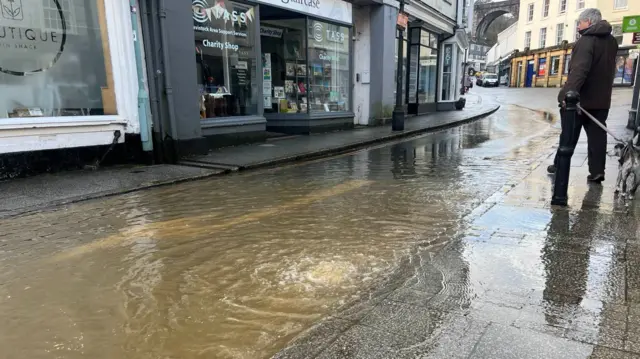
235,267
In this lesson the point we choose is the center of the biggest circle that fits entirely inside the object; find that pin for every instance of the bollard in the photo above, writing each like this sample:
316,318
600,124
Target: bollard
565,150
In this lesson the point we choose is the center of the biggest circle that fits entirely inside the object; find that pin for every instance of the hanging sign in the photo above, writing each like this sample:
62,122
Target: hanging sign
403,20
271,31
631,24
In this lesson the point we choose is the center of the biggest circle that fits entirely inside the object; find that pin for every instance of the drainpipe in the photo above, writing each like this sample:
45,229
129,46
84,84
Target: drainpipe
144,109
167,74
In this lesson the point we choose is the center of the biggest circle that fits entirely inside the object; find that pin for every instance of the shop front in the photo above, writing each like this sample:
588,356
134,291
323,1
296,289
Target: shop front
306,69
237,69
59,85
434,57
423,71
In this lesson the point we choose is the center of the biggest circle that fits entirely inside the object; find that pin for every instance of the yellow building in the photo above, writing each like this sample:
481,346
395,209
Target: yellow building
547,30
544,23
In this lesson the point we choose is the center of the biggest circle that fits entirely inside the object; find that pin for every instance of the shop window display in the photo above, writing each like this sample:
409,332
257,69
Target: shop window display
329,71
226,66
624,70
284,63
52,60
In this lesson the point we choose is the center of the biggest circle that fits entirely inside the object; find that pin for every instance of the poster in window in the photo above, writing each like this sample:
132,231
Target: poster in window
542,67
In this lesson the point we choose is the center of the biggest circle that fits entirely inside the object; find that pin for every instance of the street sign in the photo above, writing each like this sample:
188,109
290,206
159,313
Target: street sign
636,38
631,24
403,20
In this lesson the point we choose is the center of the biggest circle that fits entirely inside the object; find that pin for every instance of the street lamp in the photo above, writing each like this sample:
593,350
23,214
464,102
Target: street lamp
397,118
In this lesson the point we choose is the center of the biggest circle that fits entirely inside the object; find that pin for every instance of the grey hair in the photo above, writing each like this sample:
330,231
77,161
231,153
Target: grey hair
592,15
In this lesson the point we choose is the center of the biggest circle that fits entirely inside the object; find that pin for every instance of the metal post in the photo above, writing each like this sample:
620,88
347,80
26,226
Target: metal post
634,114
565,150
144,108
397,118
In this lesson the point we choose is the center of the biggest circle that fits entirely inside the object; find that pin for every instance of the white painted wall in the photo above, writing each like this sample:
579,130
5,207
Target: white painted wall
507,42
361,58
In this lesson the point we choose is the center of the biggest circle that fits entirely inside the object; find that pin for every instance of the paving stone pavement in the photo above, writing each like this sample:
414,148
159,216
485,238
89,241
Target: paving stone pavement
519,280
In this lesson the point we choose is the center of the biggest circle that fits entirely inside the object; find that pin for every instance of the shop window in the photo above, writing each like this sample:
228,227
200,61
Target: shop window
284,66
424,38
329,71
617,33
447,72
567,61
50,66
542,67
555,65
225,58
427,75
413,73
404,69
624,70
415,36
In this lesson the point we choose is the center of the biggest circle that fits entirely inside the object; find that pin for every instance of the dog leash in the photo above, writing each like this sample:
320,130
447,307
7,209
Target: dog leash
600,124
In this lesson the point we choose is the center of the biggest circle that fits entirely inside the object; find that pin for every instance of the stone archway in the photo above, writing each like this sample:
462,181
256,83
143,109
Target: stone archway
485,13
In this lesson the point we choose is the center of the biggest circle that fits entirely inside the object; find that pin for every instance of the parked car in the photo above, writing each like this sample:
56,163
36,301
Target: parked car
488,80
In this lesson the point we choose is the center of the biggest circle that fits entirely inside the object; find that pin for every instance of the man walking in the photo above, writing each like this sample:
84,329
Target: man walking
591,72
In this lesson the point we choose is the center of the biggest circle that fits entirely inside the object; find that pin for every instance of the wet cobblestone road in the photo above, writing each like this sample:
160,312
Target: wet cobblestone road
438,247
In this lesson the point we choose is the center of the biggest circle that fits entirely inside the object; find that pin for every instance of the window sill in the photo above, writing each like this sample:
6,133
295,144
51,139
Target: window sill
626,8
63,121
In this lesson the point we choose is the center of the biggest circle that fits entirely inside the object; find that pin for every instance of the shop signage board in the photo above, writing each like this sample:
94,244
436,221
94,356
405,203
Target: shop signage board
334,10
636,38
631,23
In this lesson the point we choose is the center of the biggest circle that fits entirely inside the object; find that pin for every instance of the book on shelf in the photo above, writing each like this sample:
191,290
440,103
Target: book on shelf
301,88
291,69
288,86
301,70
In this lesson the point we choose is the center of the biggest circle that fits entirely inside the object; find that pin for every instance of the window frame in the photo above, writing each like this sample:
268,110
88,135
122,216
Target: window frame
542,41
616,5
530,12
527,39
567,61
562,6
556,68
545,8
580,4
559,33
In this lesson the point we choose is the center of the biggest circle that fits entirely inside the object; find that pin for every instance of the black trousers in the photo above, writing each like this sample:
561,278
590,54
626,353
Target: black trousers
596,139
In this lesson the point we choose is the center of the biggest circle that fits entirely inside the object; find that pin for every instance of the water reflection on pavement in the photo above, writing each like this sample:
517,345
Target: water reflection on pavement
236,267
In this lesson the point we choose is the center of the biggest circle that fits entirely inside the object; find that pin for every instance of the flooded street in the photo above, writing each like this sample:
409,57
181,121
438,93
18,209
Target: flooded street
237,266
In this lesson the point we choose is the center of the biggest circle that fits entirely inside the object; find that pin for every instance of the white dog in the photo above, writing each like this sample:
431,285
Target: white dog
629,172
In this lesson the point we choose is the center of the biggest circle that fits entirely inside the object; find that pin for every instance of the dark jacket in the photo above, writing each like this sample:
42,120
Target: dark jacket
592,67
